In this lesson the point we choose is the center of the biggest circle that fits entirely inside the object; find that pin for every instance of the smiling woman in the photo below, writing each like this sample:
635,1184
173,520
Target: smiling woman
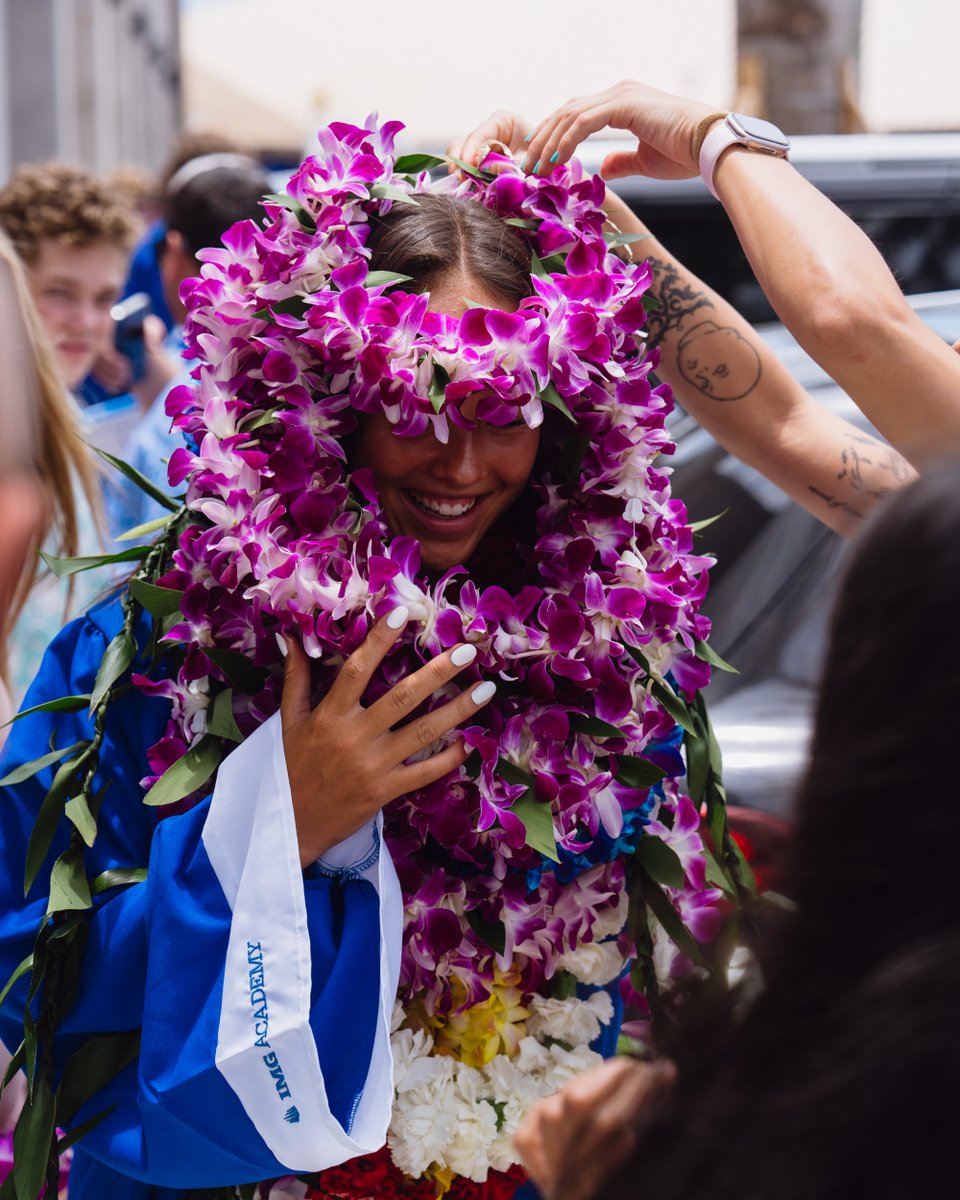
411,669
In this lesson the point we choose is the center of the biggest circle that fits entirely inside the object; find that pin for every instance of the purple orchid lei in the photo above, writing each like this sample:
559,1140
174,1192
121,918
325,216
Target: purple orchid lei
516,869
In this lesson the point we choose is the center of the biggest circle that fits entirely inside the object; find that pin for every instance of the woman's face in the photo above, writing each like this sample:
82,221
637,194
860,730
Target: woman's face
448,497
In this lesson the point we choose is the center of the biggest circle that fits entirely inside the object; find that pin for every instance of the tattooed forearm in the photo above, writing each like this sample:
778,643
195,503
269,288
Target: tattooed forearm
833,502
874,468
715,359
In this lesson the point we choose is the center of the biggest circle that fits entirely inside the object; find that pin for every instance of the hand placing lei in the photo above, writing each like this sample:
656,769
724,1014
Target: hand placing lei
563,869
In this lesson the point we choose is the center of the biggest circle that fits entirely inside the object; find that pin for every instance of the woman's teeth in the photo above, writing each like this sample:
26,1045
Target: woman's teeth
443,508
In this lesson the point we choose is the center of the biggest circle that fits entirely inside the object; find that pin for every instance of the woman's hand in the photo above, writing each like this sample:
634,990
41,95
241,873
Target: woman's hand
571,1142
663,125
501,130
344,761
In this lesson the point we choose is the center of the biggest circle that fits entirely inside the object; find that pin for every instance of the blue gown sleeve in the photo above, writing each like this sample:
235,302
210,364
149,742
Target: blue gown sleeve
263,994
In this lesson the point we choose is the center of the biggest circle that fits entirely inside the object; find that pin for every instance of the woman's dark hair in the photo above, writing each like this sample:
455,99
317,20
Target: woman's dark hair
840,1079
441,234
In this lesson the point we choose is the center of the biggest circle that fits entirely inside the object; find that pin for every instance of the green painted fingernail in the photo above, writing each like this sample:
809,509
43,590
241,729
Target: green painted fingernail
529,136
554,156
536,166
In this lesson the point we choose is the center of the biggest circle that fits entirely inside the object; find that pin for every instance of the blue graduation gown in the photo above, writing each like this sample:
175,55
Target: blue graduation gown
262,993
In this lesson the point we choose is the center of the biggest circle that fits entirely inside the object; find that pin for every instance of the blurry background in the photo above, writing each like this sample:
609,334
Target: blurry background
105,82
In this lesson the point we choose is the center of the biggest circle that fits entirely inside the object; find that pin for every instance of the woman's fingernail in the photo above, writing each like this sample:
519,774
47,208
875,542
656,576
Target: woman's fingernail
398,617
529,136
554,156
282,643
483,691
536,167
463,654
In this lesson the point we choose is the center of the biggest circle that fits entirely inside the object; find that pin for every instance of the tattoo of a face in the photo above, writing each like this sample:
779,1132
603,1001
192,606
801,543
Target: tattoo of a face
872,467
704,356
715,359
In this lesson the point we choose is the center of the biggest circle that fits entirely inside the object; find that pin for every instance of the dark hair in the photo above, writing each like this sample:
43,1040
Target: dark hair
840,1079
442,234
229,188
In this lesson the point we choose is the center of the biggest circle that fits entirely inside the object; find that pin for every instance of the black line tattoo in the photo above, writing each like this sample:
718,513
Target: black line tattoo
877,471
833,502
715,359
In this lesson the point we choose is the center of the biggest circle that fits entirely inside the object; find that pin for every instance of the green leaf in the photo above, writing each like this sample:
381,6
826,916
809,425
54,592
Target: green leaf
142,530
624,239
384,278
291,306
413,164
551,396
390,191
659,904
116,660
142,482
17,1060
521,222
61,567
637,773
512,773
698,764
29,1048
32,1140
187,774
158,601
90,1068
707,653
294,206
78,813
537,267
537,819
18,973
67,927
467,168
81,1130
492,934
66,704
660,861
238,669
47,819
715,874
117,877
252,422
247,1191
698,526
594,727
438,387
220,719
69,888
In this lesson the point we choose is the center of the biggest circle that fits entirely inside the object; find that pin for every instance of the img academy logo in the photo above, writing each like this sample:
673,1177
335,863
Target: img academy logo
261,1026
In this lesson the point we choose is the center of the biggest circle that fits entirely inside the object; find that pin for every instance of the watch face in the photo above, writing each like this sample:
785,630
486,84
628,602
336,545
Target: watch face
756,131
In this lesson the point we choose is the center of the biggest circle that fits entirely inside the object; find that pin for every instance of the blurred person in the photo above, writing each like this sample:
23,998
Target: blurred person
72,236
144,274
204,198
839,1078
40,452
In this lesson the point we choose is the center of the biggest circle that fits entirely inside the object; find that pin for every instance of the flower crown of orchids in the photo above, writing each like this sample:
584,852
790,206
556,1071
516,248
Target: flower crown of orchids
516,868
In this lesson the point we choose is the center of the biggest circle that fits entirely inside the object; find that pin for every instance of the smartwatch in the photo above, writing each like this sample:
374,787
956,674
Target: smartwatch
737,129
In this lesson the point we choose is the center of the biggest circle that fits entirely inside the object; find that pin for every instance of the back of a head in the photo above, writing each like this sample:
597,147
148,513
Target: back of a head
441,235
44,201
872,861
209,194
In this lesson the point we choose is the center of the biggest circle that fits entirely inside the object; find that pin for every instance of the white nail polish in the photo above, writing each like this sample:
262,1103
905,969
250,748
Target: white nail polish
398,617
281,643
463,654
483,691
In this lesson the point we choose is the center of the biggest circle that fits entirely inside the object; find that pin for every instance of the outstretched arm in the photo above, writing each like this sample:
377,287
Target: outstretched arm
823,276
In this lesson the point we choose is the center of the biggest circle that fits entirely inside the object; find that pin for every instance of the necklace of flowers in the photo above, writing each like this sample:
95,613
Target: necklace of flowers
563,866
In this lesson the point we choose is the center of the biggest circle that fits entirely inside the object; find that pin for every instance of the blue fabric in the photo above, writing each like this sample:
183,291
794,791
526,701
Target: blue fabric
155,956
144,275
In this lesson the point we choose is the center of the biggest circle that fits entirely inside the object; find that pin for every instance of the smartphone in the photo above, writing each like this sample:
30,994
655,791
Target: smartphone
128,318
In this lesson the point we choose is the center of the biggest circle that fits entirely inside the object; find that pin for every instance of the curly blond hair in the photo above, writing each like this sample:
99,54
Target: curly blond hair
53,200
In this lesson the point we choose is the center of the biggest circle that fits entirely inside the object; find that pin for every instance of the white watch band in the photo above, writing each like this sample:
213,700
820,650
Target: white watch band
738,130
719,138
